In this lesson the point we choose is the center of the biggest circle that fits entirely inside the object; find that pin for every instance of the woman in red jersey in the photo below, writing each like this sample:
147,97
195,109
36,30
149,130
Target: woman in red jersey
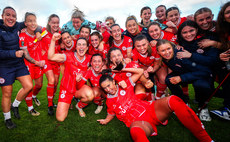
76,65
173,19
51,69
149,60
142,89
142,117
156,33
96,40
120,41
94,74
26,40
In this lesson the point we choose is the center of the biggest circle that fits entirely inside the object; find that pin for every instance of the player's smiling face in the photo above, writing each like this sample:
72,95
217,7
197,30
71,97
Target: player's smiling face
109,86
116,57
81,47
54,24
116,33
173,16
132,27
160,13
146,15
189,33
31,23
95,41
85,33
97,63
9,17
154,31
76,23
165,51
204,20
142,46
67,40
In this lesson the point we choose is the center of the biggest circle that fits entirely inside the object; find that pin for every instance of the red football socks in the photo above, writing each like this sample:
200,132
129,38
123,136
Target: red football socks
138,135
189,119
50,94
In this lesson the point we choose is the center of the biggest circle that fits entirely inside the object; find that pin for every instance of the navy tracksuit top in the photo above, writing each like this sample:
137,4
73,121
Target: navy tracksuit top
9,44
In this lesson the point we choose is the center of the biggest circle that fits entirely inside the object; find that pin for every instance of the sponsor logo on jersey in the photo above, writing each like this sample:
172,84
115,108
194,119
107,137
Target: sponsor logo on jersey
2,80
22,38
122,92
123,48
128,74
151,57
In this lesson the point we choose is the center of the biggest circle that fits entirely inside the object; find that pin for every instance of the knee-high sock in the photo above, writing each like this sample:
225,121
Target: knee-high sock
138,135
50,94
55,90
29,100
81,104
188,118
98,101
160,89
36,89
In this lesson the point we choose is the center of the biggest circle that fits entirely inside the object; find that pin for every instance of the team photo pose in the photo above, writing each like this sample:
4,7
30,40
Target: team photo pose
26,41
188,37
96,41
156,33
120,41
76,64
204,19
173,19
133,28
51,69
149,60
185,70
94,74
77,20
142,117
142,89
12,66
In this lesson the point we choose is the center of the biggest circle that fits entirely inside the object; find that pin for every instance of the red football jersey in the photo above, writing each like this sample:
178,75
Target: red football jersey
179,22
93,50
119,76
126,43
145,60
70,49
93,77
26,40
125,105
46,44
73,66
168,36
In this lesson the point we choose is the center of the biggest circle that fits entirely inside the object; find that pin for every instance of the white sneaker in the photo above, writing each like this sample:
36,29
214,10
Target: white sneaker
81,112
223,113
98,110
204,115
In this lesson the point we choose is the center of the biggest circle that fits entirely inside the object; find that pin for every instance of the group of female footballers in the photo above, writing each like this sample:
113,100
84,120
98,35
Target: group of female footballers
128,69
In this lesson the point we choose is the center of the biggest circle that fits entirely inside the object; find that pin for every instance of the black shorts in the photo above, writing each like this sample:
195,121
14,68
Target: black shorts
9,74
